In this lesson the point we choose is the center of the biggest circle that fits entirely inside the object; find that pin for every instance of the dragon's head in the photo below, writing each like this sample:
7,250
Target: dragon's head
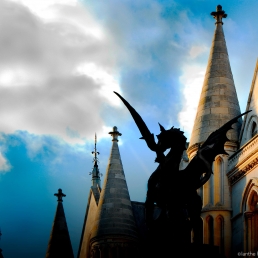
172,138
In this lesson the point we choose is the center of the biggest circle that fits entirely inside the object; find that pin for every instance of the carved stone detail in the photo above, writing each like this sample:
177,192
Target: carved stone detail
241,173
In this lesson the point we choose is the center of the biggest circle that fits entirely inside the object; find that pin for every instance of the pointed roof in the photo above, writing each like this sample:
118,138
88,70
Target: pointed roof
251,105
114,215
59,244
218,102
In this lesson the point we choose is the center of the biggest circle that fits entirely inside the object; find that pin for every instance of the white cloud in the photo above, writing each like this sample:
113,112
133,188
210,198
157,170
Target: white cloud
40,92
195,51
43,8
191,80
4,164
102,77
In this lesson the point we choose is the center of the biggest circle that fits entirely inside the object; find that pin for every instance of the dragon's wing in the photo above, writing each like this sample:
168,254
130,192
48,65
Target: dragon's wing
215,142
202,162
146,134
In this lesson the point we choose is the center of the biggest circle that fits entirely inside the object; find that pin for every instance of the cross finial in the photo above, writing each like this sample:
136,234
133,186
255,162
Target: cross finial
115,134
95,152
95,170
219,14
60,195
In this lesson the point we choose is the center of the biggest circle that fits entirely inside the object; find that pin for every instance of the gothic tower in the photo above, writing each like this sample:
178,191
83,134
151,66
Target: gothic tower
91,208
59,244
110,228
114,233
218,104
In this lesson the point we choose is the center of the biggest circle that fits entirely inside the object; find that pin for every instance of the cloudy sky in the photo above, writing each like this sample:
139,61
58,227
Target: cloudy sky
61,60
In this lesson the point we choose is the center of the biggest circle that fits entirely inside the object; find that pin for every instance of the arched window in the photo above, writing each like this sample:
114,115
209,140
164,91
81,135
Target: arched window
218,181
250,210
220,236
210,227
253,129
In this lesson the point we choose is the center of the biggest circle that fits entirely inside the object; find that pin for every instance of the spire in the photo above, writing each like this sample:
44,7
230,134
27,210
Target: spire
59,244
114,218
1,255
95,171
218,102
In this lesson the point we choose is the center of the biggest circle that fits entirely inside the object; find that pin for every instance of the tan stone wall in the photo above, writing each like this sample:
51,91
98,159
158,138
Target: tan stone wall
216,198
84,252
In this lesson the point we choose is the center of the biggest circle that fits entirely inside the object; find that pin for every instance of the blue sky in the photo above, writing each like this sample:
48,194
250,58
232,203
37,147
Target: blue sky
61,60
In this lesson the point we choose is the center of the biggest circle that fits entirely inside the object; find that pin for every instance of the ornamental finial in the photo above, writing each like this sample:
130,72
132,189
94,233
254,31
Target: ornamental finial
60,195
115,134
95,152
219,14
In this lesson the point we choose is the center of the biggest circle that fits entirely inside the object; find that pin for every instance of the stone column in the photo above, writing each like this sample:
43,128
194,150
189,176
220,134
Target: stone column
217,185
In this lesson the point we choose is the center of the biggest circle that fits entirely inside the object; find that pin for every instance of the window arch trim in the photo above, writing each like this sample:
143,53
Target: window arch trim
250,187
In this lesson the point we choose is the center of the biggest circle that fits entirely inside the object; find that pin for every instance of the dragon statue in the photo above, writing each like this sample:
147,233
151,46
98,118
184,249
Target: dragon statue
169,211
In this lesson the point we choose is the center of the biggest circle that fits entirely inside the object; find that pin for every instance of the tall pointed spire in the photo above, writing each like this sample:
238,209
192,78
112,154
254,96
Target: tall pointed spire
114,225
59,244
1,255
95,171
218,102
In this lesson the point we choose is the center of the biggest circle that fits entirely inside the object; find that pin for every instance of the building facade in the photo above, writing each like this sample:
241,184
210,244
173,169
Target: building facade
114,225
230,197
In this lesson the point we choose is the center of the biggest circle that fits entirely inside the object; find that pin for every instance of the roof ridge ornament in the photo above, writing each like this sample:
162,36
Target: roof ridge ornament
219,14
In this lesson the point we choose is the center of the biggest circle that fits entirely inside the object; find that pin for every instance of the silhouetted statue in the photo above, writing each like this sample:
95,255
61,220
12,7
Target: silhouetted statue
173,206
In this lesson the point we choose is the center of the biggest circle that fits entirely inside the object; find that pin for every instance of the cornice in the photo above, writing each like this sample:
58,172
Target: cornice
243,161
216,207
240,173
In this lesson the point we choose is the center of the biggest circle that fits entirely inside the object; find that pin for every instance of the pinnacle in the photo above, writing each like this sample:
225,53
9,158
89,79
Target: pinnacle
218,101
114,215
59,243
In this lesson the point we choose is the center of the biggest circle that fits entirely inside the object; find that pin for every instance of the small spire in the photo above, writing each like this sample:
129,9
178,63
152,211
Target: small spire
95,152
59,195
219,14
59,244
115,134
95,170
1,255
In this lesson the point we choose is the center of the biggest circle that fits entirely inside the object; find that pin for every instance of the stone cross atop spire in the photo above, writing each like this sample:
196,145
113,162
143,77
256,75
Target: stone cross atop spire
59,195
219,14
115,134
